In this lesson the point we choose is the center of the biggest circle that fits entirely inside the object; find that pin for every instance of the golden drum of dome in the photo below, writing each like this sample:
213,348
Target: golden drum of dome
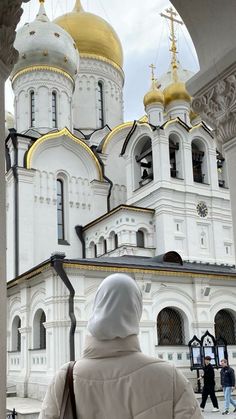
153,96
92,35
176,91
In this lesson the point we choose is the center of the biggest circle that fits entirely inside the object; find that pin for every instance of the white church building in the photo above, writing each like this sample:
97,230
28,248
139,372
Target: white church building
89,194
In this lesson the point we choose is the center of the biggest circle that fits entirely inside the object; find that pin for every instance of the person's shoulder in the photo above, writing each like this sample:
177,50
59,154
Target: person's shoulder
156,364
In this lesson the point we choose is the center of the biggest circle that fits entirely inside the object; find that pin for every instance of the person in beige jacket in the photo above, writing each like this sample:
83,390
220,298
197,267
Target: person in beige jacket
114,379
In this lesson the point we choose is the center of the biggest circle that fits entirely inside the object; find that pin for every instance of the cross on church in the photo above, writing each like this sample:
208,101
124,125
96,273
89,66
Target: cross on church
153,67
171,16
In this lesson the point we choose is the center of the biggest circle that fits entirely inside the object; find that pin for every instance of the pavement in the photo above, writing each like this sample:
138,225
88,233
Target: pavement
208,414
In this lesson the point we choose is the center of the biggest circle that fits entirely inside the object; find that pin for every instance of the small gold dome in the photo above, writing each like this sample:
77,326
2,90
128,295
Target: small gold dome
176,91
154,95
92,34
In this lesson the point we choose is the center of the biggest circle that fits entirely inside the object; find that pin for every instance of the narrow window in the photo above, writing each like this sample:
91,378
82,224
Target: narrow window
60,211
100,105
140,238
116,241
54,110
32,109
39,331
16,336
42,332
95,251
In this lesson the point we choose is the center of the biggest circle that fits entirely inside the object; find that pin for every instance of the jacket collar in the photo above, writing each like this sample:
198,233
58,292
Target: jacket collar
95,348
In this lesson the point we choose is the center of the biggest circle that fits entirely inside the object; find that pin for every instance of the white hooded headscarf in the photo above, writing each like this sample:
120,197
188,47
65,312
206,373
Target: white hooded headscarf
117,308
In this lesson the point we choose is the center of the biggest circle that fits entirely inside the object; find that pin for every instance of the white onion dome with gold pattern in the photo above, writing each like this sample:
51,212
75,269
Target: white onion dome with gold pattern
93,36
154,95
44,44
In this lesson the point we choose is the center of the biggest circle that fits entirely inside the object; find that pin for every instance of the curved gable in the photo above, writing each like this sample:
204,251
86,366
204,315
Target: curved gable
66,139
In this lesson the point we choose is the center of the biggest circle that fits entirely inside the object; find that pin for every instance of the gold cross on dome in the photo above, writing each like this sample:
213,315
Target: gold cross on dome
171,15
153,67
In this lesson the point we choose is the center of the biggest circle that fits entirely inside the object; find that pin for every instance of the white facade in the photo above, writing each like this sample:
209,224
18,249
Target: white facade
94,75
128,192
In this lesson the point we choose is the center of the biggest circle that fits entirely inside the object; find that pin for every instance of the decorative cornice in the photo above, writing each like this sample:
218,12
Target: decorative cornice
217,106
10,13
118,209
101,58
42,68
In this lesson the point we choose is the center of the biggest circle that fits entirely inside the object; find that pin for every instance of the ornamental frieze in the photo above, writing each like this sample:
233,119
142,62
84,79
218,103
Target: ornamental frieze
217,107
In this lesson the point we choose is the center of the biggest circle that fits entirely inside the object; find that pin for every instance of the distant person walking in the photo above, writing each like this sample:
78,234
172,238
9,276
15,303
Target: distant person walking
228,383
209,385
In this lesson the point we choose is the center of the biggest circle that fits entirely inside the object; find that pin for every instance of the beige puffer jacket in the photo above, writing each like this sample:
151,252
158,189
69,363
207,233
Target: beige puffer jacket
114,380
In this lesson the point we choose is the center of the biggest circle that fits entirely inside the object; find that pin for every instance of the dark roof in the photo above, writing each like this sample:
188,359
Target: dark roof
131,263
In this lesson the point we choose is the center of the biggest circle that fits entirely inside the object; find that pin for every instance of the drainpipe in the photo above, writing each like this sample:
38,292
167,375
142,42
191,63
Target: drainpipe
57,264
105,177
79,232
13,136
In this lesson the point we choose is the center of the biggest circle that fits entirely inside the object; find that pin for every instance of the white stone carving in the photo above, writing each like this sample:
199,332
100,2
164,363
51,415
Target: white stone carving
10,13
217,106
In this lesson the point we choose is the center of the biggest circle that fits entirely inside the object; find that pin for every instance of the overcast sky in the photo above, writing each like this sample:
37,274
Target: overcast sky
144,37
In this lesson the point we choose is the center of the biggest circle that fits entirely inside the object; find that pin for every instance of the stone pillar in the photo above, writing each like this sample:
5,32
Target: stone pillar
216,103
10,13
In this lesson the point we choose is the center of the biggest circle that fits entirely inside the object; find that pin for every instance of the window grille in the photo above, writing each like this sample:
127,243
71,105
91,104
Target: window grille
60,210
54,110
170,329
32,109
100,105
225,326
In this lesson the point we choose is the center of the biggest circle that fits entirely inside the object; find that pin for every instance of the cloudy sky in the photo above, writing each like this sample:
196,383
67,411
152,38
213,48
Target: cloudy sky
143,34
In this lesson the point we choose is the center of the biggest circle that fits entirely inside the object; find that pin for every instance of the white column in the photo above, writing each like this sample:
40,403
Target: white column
9,17
3,76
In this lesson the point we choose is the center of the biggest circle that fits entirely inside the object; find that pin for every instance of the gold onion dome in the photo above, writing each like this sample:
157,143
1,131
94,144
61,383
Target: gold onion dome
92,35
176,91
154,95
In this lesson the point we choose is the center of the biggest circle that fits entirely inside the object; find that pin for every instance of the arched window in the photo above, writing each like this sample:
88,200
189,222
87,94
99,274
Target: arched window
170,330
60,211
116,241
140,238
16,336
176,166
32,108
39,331
100,105
199,162
225,326
144,164
54,110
